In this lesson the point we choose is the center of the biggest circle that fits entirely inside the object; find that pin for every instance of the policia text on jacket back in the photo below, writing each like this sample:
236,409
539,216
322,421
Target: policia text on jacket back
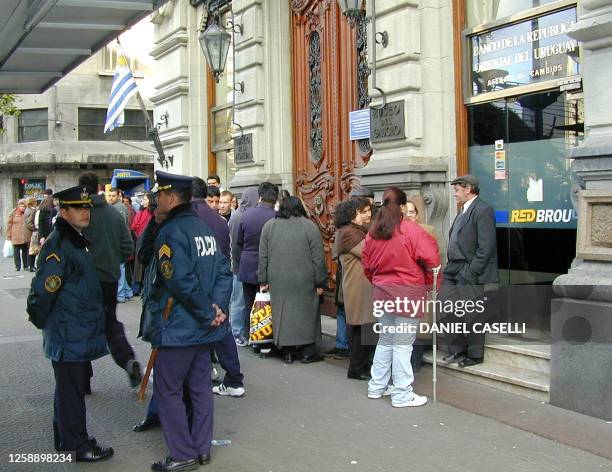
65,301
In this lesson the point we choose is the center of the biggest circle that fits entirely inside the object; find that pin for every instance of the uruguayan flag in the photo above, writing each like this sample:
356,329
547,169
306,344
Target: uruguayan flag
124,87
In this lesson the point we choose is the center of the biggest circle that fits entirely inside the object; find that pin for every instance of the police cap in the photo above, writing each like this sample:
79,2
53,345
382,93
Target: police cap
74,196
167,181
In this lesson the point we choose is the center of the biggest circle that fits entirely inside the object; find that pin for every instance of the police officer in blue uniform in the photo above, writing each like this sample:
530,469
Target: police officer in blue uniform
186,308
65,301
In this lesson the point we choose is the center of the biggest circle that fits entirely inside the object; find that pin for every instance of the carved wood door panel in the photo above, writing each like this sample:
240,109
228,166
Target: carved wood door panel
329,79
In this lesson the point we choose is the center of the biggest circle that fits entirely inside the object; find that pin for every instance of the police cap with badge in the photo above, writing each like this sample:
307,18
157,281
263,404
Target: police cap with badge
167,181
74,197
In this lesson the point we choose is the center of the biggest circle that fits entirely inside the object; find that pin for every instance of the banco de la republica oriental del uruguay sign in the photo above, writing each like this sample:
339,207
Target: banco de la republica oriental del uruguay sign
532,51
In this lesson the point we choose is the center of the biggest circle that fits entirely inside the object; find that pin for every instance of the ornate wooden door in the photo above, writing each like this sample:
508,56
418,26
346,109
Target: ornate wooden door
329,78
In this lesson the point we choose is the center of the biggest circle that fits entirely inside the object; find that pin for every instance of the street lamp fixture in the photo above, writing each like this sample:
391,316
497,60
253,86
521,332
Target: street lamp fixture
351,9
215,43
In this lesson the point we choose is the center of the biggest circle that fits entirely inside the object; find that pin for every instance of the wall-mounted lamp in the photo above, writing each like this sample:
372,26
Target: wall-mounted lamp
382,38
239,86
351,9
215,43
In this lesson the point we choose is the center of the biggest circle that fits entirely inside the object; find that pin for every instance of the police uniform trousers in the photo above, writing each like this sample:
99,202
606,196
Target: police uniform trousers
191,366
227,353
69,420
456,289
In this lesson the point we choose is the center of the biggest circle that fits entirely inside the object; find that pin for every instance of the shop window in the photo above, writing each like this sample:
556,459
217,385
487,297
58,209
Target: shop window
487,11
33,125
91,126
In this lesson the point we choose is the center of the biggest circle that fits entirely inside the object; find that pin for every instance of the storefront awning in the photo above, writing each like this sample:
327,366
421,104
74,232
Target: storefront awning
43,40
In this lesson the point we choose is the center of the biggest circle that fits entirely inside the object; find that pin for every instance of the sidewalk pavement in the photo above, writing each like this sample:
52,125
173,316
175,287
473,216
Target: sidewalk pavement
292,418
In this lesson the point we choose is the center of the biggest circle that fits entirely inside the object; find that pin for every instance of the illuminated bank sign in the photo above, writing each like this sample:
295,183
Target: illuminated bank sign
532,51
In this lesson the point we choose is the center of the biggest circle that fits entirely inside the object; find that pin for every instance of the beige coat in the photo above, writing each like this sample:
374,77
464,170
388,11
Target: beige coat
356,288
16,229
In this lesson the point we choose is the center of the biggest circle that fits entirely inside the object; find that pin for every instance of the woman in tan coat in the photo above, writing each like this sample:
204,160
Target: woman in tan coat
352,218
16,234
423,340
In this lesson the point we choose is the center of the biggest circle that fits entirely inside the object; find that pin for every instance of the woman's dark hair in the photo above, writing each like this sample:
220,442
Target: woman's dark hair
282,196
47,203
389,216
291,206
152,201
344,213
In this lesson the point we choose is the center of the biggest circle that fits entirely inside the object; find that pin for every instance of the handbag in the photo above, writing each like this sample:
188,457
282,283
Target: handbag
260,331
7,250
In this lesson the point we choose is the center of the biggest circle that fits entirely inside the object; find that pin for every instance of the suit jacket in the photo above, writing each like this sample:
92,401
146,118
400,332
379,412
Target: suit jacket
478,243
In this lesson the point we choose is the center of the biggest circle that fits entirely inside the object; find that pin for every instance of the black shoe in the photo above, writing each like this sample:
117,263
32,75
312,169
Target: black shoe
171,465
311,359
456,357
358,376
149,422
204,459
331,352
470,361
341,354
95,454
134,373
288,358
32,269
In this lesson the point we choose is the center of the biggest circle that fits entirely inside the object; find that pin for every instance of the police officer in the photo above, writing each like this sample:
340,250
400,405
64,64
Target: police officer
65,301
188,301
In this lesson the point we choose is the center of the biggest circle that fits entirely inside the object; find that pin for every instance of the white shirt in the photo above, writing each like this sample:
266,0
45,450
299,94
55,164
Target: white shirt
467,204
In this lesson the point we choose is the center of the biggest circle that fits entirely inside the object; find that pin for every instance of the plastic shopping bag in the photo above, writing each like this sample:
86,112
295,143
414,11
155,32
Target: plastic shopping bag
261,320
7,250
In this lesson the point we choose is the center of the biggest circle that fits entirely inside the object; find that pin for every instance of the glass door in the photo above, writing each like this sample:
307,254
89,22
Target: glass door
517,149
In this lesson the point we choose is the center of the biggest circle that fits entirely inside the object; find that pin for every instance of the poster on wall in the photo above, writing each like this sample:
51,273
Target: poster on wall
31,188
532,51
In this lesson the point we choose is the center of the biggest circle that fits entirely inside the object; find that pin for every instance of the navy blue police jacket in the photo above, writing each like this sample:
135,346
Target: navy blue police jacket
65,298
190,268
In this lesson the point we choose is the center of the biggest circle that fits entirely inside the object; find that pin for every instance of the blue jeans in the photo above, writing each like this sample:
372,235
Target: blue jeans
236,309
392,358
124,291
341,339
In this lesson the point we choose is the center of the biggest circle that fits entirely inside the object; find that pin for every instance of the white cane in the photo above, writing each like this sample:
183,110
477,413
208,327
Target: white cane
434,296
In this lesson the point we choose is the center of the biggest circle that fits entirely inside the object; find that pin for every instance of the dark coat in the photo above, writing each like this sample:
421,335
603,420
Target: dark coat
111,242
216,223
65,298
477,241
249,232
248,200
190,267
291,261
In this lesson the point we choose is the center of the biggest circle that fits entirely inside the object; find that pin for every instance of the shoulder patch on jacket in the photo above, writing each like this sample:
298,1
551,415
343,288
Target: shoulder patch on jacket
53,255
167,269
165,251
53,283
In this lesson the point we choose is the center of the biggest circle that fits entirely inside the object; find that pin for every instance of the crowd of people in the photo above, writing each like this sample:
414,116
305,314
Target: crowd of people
198,259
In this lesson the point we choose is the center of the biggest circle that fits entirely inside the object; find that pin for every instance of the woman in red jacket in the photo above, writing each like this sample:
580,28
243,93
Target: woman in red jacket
139,223
396,258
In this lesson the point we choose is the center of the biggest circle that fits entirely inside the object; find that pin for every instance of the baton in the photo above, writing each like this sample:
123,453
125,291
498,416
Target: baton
153,356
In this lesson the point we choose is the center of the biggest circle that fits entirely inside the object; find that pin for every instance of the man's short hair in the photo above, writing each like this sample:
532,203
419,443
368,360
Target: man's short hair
184,194
227,193
115,190
214,177
199,188
213,192
468,180
268,192
89,180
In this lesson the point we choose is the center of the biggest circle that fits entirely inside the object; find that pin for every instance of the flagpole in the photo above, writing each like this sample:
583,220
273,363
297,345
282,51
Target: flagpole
151,128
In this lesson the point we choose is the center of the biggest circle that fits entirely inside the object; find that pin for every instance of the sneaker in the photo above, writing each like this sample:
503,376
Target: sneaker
228,391
240,341
376,396
416,400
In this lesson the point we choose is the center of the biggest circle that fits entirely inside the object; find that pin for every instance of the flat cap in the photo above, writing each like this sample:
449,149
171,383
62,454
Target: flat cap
467,179
359,191
74,196
167,181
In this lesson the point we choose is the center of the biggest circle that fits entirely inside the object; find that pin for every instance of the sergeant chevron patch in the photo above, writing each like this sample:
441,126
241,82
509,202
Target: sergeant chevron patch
53,256
165,251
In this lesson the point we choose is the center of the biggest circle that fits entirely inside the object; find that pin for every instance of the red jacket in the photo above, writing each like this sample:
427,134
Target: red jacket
140,221
399,267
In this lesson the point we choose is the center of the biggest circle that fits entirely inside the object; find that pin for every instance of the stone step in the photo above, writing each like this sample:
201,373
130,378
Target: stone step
525,382
518,353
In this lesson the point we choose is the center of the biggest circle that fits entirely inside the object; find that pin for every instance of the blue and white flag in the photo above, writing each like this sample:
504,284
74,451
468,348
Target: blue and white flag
124,87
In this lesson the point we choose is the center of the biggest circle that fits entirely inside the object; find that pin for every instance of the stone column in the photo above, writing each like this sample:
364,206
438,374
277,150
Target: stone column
419,163
581,321
262,62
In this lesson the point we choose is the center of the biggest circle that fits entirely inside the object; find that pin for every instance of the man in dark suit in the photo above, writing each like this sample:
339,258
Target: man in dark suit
472,263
